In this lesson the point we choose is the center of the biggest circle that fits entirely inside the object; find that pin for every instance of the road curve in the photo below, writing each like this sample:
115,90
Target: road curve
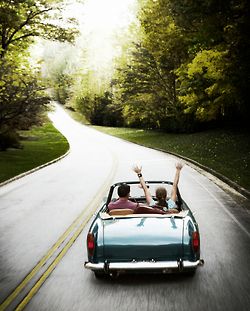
37,209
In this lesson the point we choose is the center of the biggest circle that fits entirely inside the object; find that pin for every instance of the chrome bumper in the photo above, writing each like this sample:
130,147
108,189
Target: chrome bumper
143,265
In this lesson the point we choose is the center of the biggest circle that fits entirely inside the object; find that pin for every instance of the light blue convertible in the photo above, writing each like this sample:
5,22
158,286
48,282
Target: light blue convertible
146,240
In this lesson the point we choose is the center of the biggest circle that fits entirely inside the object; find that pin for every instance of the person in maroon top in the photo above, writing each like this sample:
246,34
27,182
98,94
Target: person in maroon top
123,201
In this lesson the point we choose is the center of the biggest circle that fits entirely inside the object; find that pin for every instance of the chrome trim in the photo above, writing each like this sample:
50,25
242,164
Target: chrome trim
137,265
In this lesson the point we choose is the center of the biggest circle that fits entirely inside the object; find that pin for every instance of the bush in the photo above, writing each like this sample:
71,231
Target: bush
9,139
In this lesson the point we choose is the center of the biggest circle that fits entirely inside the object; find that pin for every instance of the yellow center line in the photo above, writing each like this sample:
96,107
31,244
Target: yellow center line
53,249
50,269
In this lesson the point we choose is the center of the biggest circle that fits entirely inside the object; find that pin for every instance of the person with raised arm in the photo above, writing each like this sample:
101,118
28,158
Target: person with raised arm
161,192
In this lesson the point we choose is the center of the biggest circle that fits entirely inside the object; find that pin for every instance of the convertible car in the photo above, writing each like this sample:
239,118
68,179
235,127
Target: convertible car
145,240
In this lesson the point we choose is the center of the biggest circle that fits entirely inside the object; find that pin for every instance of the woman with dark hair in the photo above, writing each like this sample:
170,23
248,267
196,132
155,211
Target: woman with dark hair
161,192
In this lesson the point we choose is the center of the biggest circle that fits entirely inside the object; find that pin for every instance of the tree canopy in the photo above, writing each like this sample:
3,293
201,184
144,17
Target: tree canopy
22,20
22,93
187,66
183,65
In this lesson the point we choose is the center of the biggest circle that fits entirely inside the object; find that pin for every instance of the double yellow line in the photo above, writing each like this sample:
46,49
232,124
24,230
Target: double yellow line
78,225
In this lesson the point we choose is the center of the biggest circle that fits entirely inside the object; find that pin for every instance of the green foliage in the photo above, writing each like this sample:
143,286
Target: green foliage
60,80
205,89
59,69
61,88
161,36
22,101
21,21
99,109
144,90
22,94
93,98
189,64
184,65
145,85
212,26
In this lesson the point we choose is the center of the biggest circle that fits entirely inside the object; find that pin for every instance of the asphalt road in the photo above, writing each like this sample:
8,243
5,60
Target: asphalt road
35,211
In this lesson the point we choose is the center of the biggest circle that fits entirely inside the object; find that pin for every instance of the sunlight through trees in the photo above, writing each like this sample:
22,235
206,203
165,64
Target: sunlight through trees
174,65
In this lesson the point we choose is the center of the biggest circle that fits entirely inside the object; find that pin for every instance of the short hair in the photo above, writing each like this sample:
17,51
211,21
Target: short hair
123,190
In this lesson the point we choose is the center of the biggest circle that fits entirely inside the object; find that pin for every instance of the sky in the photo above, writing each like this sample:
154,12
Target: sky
101,23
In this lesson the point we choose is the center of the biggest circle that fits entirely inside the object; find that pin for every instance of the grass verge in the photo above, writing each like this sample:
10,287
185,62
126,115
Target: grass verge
225,151
40,145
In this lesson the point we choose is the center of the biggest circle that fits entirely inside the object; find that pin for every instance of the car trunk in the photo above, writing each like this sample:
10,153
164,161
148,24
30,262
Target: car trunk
145,238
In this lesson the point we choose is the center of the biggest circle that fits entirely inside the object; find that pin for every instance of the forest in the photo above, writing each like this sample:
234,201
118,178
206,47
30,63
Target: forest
184,67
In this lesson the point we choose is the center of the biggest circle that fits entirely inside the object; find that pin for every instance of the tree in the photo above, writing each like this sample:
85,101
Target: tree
22,102
147,82
59,69
23,20
205,88
201,51
143,89
22,96
214,27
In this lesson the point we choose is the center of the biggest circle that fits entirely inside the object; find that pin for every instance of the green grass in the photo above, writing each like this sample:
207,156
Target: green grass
40,145
225,151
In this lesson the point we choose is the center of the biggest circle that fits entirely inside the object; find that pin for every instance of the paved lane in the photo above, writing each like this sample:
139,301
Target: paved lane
223,283
63,190
37,209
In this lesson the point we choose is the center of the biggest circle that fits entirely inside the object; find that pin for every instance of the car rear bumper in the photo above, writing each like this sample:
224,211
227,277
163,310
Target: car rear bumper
143,265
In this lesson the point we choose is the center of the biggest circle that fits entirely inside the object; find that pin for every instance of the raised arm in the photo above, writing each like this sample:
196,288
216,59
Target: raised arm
138,169
176,181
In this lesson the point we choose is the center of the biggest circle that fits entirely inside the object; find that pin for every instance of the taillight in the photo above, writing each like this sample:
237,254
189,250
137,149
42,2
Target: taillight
196,241
90,244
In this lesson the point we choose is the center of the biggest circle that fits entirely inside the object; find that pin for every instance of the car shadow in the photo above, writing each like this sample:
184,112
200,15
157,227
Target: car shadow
140,278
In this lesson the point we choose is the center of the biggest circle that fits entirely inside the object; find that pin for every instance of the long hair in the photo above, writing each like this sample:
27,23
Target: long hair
161,195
